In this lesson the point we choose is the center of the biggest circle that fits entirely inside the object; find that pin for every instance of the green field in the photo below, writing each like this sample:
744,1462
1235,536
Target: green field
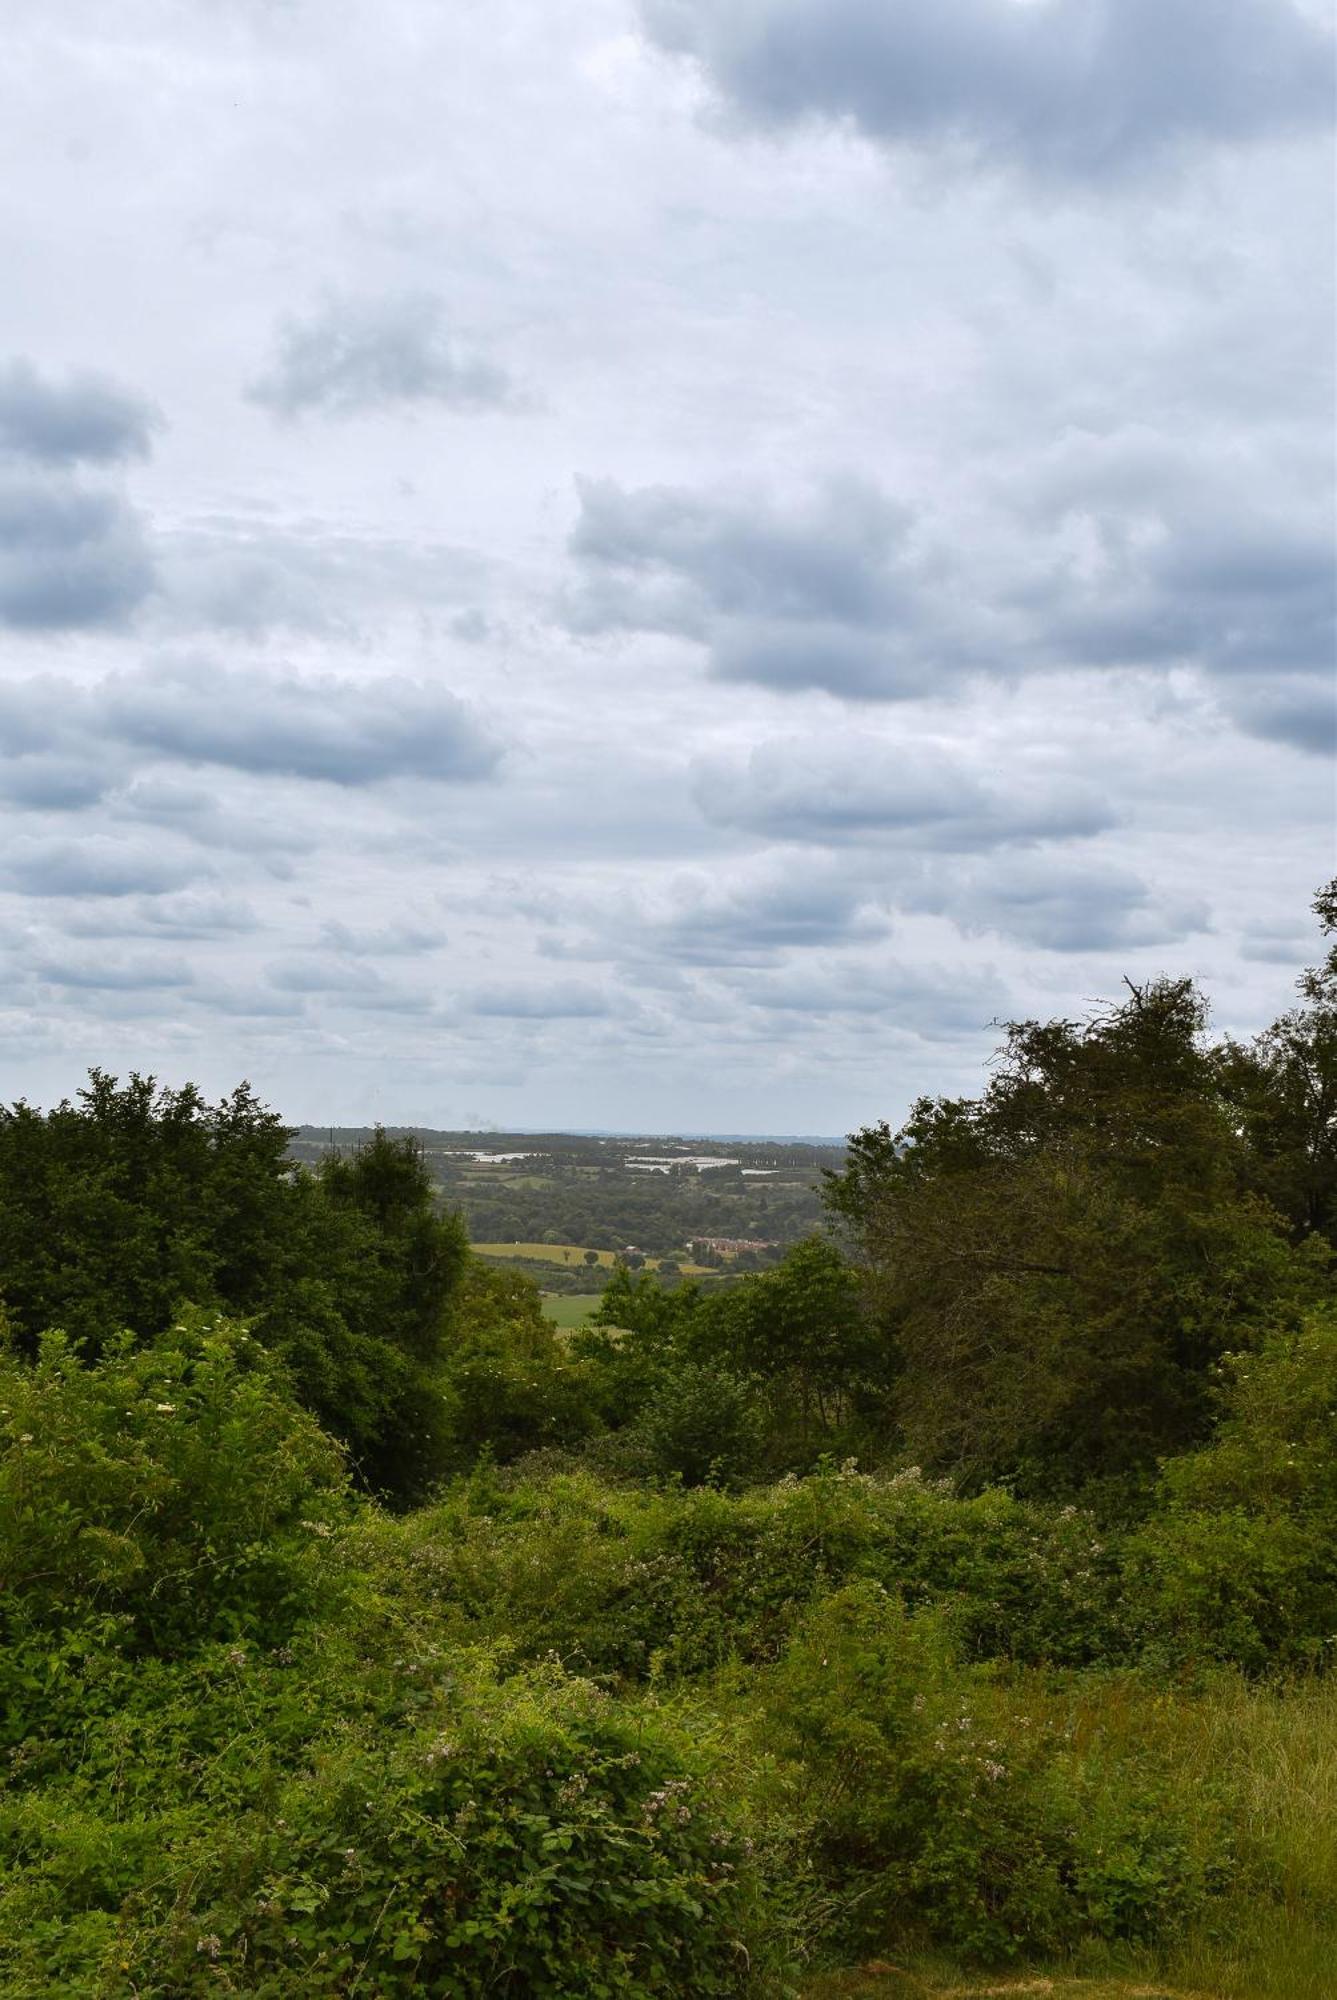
569,1309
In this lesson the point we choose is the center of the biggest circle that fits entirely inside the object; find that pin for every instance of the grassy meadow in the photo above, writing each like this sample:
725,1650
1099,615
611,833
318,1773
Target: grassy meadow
568,1310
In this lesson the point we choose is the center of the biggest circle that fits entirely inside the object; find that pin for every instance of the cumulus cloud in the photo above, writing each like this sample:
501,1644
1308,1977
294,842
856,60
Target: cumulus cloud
347,732
403,939
144,972
1297,710
85,419
188,915
1053,902
352,355
69,557
755,920
53,782
345,982
1079,90
921,999
344,731
849,791
829,594
1103,549
1161,552
98,865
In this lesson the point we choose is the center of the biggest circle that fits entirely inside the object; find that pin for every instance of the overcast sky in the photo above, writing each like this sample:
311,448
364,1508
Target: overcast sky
654,564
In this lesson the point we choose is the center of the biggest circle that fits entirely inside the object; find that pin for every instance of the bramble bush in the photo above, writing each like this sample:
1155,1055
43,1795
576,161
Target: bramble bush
174,1488
1238,1562
941,1804
236,1759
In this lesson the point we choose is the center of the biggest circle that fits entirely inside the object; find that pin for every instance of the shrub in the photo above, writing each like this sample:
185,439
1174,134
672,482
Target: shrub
1239,1561
702,1425
942,1808
175,1487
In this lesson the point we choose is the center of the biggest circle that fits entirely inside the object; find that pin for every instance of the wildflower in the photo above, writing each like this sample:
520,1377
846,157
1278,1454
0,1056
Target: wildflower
209,1946
25,1437
165,1409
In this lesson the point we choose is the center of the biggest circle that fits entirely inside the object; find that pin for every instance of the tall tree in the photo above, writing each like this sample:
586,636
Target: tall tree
1058,1263
1284,1089
135,1200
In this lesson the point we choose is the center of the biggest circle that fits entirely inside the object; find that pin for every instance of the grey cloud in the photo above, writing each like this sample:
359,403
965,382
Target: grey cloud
344,731
187,915
1080,90
758,923
250,1001
558,1001
52,783
354,355
354,984
397,940
85,419
97,866
196,813
831,595
69,557
1186,575
932,1001
916,793
1105,550
114,974
1048,901
347,732
1300,712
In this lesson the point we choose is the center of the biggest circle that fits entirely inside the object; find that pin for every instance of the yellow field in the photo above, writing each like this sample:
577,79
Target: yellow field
570,1256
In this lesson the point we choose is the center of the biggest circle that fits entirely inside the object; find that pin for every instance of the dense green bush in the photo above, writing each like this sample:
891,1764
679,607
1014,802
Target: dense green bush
934,1802
133,1202
235,1754
1239,1560
174,1490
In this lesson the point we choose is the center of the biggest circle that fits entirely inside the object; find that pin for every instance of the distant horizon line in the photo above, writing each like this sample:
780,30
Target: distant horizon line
585,1132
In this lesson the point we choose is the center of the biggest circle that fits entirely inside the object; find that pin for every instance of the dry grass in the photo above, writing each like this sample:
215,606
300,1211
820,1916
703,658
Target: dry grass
887,1983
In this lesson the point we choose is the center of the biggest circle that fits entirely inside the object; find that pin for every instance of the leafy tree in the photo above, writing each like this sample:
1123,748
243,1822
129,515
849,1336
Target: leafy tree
1284,1088
133,1201
1059,1262
509,1384
702,1426
802,1332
